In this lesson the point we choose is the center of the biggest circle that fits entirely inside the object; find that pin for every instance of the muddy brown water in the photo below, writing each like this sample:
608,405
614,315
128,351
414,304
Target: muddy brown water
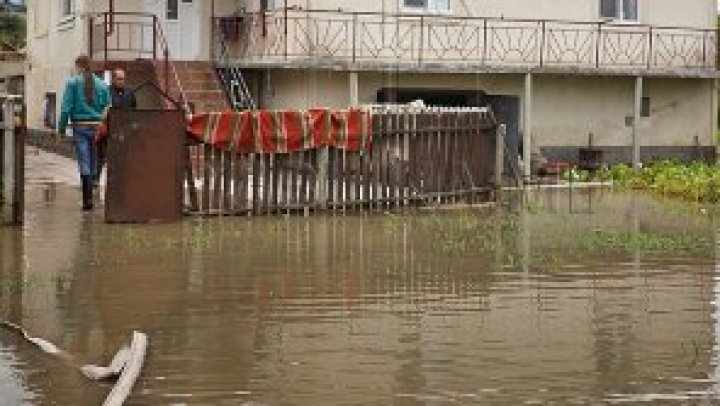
529,305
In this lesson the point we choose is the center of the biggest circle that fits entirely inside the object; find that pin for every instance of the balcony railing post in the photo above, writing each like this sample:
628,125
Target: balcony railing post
542,42
166,51
650,48
704,49
155,37
285,29
354,39
485,41
421,44
598,42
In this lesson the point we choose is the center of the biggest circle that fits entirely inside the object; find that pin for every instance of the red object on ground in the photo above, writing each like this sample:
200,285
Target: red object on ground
284,131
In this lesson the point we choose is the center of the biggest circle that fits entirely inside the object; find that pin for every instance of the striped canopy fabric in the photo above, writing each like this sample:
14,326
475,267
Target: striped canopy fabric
279,132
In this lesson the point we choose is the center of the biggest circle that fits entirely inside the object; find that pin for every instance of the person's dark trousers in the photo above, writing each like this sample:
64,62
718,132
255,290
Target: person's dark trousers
83,138
101,147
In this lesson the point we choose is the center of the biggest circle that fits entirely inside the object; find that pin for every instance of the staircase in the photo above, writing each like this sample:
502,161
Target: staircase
197,86
231,77
236,88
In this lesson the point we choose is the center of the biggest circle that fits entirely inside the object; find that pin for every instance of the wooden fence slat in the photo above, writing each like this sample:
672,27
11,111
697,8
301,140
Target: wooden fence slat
257,178
332,175
190,181
312,179
217,180
227,182
206,164
277,169
266,183
295,167
304,175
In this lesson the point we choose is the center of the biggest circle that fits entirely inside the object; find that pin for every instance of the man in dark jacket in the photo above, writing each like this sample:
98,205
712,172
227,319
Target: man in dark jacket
121,98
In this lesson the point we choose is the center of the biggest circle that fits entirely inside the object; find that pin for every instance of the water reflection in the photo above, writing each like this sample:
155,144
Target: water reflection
403,309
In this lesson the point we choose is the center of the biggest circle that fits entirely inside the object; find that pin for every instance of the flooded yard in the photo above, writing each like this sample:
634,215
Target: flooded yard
582,297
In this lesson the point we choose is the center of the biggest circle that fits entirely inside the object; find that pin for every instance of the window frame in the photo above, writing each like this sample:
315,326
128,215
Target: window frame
67,9
177,10
425,9
620,16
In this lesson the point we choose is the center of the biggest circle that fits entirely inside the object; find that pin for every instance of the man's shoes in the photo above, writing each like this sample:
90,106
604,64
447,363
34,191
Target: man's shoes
87,193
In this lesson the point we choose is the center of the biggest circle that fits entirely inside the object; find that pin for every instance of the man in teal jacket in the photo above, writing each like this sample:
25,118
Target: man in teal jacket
85,103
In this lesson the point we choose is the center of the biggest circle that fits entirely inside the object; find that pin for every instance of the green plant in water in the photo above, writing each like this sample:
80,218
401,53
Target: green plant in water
697,182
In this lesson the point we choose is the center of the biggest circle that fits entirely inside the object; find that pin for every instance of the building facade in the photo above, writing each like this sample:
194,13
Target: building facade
633,77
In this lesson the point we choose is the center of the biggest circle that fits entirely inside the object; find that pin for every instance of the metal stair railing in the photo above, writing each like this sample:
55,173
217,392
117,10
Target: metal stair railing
232,78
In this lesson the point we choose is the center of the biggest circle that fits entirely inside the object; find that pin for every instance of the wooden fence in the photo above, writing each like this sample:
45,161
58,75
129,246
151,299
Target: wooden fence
417,158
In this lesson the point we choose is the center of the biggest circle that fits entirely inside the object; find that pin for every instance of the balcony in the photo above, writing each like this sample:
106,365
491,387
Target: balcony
439,43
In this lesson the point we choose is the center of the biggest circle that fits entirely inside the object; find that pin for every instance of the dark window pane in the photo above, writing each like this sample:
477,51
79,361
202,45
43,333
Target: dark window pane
416,3
630,11
172,9
645,107
608,8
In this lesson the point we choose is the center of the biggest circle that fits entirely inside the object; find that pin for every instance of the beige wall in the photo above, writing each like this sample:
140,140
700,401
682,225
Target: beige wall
690,13
566,109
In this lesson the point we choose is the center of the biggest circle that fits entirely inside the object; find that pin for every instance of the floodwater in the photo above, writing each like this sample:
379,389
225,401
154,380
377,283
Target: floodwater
586,297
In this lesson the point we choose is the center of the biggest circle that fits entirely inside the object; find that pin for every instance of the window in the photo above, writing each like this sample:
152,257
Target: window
619,9
68,7
645,107
426,5
172,9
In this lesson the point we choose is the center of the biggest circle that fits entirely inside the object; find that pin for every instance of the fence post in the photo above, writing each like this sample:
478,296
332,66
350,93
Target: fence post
321,195
499,159
12,167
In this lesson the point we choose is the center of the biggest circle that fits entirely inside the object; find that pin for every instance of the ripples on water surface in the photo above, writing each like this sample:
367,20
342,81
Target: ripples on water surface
573,299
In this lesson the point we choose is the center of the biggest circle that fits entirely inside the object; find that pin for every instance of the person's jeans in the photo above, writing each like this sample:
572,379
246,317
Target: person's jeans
87,161
101,149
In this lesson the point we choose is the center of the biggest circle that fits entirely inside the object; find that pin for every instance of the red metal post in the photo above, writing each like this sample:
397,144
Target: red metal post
90,36
212,30
167,70
155,37
111,9
105,37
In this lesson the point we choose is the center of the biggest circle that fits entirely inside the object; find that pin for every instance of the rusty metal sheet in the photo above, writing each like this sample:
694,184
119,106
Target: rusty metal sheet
145,166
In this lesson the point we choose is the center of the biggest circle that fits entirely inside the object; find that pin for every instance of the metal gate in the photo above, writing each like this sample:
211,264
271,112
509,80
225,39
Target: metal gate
145,166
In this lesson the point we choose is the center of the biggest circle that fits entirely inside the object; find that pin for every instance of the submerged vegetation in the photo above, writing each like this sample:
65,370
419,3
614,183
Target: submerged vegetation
500,236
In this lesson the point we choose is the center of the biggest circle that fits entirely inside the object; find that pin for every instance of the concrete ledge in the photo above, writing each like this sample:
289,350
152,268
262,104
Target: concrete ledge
620,154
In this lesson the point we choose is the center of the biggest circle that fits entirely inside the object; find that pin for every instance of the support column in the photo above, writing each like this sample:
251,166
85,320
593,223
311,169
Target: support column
527,125
637,112
354,89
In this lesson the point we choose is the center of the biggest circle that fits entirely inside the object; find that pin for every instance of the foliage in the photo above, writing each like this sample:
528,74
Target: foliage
697,181
12,29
